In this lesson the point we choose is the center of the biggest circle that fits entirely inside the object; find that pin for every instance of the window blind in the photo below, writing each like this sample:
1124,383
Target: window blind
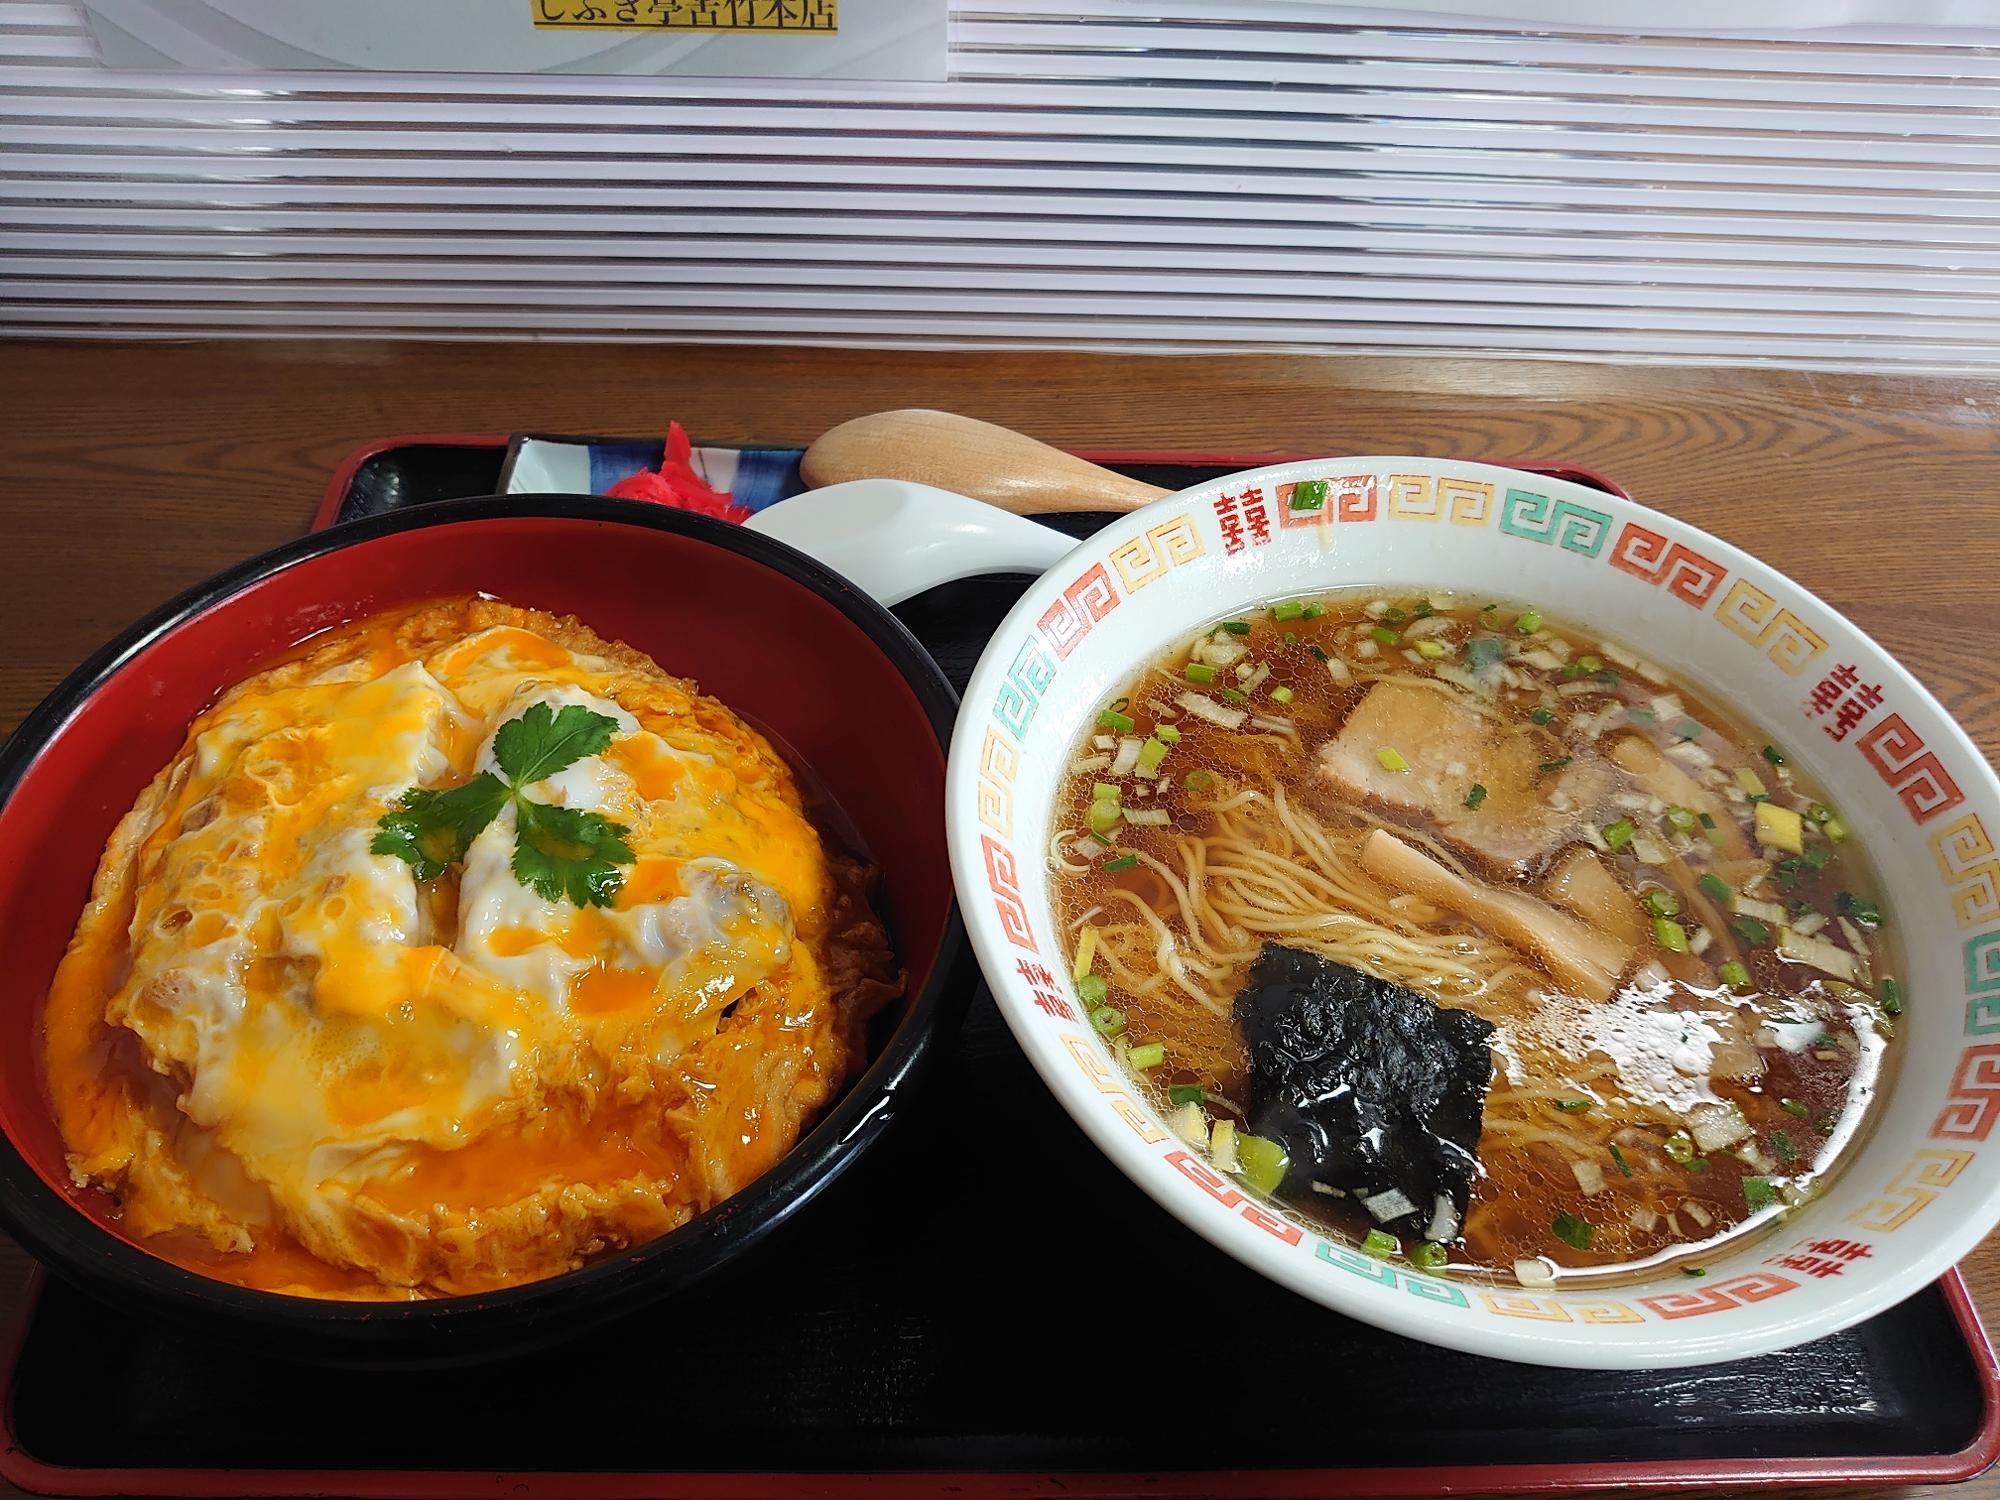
1172,175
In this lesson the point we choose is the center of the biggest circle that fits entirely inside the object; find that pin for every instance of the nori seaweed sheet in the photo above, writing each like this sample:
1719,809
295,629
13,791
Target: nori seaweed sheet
1369,1086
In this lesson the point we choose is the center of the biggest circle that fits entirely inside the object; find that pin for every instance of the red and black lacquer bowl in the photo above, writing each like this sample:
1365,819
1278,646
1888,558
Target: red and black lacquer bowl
765,629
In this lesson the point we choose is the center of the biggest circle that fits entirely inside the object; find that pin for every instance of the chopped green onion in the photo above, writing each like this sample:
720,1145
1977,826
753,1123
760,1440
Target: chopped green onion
1107,1022
1150,755
1098,838
1619,1157
1122,862
1116,722
1715,887
1234,695
1320,652
1687,729
1693,1271
1608,674
1236,627
1590,663
1735,976
1891,997
1817,856
1617,835
1200,672
1573,670
1429,1256
1679,1148
1706,821
1291,638
1475,796
1421,610
1484,611
1554,765
1774,755
1661,903
1835,829
1793,1107
1430,650
1379,1246
1187,1093
1820,813
1866,913
1383,635
1572,1231
1527,622
1091,989
1103,816
1574,1106
1758,1193
1150,1055
1670,935
1482,653
1753,798
1281,695
1309,494
1751,931
1782,1144
1642,716
1391,760
1543,716
1263,1162
1197,781
1104,791
1291,609
1396,614
1681,819
1168,733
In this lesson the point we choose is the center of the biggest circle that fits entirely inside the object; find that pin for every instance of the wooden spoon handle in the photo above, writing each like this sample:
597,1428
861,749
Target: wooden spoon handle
994,464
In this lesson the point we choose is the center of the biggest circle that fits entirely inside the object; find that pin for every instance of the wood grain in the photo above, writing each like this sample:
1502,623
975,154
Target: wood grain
132,471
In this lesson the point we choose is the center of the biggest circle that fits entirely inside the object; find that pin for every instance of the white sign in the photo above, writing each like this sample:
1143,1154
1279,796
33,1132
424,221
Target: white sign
896,39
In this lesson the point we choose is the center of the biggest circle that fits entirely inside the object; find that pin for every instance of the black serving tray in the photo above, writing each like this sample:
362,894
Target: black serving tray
963,1311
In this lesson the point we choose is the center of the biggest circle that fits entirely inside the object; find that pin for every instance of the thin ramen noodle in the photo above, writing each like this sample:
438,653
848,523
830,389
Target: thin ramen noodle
1680,948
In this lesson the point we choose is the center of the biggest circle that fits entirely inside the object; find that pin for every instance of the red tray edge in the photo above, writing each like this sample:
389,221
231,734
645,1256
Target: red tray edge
23,1469
342,477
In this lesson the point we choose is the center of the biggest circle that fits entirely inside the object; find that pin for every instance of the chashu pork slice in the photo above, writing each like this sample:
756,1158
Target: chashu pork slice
1527,813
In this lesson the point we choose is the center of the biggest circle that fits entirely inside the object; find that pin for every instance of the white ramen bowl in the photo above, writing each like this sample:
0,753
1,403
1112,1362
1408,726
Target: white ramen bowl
1919,1191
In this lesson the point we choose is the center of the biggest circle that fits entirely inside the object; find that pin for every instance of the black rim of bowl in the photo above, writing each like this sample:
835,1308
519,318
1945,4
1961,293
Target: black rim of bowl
58,1232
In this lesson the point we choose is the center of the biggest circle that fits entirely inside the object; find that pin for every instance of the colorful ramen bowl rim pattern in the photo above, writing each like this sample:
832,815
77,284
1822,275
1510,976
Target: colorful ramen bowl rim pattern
1914,1195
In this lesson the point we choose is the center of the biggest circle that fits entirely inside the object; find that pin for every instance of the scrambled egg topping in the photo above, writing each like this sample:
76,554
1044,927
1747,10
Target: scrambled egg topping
295,1066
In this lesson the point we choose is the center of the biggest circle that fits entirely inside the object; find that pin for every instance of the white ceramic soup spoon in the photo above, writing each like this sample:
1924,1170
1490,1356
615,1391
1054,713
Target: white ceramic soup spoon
892,538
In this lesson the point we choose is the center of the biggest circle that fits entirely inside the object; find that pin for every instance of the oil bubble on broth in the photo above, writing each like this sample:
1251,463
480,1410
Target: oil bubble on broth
1290,847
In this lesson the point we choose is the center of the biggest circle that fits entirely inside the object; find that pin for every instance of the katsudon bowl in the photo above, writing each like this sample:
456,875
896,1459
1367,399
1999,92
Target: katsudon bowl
832,678
1125,865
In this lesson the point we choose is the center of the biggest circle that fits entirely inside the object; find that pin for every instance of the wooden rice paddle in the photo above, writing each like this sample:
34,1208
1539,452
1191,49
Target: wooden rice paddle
994,464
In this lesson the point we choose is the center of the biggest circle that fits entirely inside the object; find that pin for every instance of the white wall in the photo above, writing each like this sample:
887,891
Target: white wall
1109,174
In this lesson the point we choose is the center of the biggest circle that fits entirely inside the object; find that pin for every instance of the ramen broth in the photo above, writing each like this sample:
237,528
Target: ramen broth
1680,945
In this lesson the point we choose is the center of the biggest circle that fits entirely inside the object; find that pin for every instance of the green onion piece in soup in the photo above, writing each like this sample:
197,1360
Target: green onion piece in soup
1263,1162
1378,1245
1578,1234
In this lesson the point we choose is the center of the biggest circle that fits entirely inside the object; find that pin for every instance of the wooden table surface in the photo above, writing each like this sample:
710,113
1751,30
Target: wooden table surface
130,471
